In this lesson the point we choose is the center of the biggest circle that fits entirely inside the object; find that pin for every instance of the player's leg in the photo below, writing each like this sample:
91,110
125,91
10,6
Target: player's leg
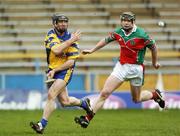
138,95
54,90
136,77
145,95
67,100
113,81
110,85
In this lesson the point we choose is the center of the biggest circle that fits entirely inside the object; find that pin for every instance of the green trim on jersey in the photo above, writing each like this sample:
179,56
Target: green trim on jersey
138,34
140,57
108,39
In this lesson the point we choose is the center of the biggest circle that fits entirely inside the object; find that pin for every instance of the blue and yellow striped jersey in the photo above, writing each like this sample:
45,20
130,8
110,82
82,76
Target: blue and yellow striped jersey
52,40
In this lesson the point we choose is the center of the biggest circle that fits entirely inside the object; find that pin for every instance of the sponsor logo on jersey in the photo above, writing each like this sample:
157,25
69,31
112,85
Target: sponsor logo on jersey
132,42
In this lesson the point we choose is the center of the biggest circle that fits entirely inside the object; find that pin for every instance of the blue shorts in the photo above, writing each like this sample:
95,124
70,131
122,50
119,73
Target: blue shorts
65,75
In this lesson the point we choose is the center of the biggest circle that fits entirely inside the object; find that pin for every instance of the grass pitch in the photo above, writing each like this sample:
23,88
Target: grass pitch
105,123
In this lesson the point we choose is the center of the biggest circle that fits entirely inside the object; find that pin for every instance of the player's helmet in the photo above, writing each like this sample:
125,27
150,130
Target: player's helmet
59,17
128,15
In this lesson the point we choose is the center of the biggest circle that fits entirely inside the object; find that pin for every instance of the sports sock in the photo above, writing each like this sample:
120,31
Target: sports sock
44,122
89,117
155,96
83,104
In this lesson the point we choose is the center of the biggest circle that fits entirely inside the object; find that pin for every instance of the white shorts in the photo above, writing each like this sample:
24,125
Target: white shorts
130,72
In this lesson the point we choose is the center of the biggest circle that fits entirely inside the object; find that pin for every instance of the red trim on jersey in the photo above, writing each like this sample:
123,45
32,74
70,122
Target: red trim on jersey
147,42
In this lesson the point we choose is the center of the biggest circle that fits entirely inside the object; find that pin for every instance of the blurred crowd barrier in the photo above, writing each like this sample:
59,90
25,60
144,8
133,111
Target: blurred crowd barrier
31,100
91,81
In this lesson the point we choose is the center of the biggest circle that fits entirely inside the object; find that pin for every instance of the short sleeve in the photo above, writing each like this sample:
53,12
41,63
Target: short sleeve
51,40
149,42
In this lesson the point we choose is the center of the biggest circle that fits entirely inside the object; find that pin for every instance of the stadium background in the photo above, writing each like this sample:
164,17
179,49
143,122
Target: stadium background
24,24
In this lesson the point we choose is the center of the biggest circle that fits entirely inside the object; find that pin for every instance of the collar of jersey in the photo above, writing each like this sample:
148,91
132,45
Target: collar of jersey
65,37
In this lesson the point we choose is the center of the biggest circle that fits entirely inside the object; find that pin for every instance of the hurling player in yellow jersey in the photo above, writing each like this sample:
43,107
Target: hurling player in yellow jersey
62,52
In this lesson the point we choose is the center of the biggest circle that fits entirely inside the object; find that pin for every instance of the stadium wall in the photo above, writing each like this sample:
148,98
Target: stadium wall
28,91
36,82
31,100
88,81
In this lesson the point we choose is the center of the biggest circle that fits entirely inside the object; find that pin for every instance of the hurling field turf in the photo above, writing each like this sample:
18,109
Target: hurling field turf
106,123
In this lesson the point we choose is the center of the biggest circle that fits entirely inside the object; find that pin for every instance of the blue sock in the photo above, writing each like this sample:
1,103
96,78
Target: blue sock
83,104
44,122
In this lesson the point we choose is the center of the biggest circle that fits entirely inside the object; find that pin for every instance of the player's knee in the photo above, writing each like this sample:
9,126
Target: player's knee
50,96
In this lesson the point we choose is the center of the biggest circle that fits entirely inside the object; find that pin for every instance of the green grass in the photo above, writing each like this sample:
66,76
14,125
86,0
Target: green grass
105,123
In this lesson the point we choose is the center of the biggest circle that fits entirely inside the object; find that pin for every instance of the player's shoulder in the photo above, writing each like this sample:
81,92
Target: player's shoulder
118,30
51,31
140,30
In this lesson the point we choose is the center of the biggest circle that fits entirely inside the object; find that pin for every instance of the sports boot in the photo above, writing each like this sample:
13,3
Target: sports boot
82,121
159,99
36,127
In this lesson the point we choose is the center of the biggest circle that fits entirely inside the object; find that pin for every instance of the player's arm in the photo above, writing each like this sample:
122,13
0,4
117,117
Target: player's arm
98,46
153,50
59,49
150,43
72,55
68,64
71,58
103,42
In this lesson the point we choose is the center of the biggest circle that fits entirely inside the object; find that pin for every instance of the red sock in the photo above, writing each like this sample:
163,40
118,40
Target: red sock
89,117
155,96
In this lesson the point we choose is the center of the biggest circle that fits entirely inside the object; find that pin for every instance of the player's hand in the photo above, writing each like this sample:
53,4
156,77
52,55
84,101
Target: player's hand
51,74
84,52
76,35
156,65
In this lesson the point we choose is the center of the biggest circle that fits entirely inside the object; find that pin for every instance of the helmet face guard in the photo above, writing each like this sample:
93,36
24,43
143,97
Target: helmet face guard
128,16
59,17
56,18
